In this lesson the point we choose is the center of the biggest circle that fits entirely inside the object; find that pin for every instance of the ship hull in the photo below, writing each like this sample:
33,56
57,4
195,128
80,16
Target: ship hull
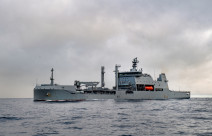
64,95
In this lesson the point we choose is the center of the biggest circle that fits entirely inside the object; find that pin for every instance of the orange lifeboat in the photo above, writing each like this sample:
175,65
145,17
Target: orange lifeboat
149,88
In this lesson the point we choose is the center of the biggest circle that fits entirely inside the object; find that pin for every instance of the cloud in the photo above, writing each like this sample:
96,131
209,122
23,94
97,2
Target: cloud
77,37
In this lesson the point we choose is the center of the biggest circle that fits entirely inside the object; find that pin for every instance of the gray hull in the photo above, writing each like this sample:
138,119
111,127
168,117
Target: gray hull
64,95
129,85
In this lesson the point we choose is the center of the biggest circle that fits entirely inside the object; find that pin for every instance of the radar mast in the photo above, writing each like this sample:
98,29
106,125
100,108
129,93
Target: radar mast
134,65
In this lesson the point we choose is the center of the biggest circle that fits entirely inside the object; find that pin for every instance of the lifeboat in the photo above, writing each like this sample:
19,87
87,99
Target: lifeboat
149,88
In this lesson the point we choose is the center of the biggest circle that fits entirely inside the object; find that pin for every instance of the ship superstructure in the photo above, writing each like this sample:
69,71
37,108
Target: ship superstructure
131,85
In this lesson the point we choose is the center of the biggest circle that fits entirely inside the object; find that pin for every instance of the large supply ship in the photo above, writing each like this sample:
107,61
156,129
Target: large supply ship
129,85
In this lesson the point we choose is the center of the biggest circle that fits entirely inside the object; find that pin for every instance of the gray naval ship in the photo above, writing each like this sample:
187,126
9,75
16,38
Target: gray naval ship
129,85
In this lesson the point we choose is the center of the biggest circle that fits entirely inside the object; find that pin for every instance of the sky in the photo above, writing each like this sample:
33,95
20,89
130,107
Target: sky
77,37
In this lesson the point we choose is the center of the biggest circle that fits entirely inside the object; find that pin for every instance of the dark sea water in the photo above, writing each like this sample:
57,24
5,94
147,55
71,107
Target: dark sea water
23,117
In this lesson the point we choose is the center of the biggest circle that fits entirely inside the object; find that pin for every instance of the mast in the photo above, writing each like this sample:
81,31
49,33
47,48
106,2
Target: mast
51,78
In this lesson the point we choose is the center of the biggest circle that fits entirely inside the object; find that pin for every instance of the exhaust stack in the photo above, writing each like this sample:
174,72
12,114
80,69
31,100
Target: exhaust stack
102,76
116,75
52,78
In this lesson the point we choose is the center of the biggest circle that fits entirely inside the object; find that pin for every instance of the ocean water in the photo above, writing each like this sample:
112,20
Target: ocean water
24,117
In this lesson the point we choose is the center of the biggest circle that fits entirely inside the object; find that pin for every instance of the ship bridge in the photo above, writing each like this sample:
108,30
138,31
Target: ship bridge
126,80
135,80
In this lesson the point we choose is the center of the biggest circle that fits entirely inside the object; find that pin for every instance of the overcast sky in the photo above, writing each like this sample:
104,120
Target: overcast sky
77,37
